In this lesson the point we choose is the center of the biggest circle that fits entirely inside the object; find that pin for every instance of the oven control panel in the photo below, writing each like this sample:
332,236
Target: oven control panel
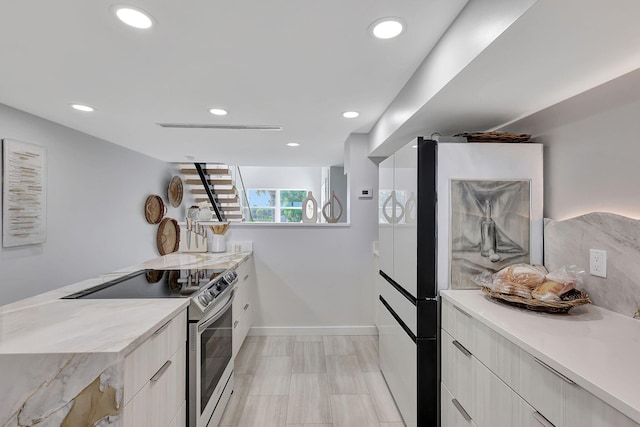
206,296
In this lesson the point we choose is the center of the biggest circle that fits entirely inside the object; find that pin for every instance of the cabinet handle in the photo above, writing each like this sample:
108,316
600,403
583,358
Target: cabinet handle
235,324
161,328
541,420
246,306
461,311
462,348
549,368
246,277
161,371
460,409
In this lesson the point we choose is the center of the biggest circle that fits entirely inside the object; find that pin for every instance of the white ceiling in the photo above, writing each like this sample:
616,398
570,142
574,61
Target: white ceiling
294,63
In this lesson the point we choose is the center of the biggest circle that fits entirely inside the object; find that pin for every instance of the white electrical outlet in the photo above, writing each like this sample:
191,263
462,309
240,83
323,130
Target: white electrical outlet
598,262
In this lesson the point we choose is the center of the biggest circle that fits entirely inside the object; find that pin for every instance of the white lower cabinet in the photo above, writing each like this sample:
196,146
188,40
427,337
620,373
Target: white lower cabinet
242,309
498,384
155,380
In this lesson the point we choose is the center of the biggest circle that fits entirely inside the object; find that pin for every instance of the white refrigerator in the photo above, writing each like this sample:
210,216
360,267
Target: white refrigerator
447,211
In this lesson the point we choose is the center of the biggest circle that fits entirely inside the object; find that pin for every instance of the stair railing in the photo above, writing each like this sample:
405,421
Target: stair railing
244,200
213,198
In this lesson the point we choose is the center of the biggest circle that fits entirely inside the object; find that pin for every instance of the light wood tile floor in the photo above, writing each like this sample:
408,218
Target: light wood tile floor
310,381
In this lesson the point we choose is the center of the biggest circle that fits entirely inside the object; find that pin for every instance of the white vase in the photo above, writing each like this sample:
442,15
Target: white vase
330,213
309,209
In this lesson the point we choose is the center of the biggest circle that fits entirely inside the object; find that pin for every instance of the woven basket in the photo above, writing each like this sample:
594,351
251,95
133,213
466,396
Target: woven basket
168,237
574,298
175,191
154,209
495,136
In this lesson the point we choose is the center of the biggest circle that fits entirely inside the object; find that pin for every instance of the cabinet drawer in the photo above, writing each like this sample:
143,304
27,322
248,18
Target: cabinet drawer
161,398
531,379
141,364
457,371
453,414
497,405
460,325
167,389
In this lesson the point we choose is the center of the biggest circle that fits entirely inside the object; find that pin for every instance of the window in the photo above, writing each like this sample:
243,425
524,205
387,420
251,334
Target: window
276,205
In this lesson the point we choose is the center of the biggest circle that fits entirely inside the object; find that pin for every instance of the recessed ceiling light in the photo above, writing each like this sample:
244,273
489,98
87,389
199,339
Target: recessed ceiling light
293,144
387,28
350,114
414,146
218,112
133,17
81,107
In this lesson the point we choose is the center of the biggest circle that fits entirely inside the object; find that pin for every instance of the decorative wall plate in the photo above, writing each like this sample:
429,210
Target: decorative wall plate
154,209
175,191
168,237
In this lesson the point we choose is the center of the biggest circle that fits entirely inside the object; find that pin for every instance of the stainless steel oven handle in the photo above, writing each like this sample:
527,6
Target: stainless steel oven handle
218,314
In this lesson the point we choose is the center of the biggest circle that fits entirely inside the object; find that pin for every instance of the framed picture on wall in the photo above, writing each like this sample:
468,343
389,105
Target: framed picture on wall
490,227
24,202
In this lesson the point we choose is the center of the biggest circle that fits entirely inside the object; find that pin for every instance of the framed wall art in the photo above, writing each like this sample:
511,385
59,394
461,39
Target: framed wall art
490,227
24,201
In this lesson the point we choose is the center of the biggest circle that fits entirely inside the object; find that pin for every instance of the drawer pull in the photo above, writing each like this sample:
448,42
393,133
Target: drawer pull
246,277
549,368
246,306
541,420
460,409
235,324
161,328
161,371
461,311
462,348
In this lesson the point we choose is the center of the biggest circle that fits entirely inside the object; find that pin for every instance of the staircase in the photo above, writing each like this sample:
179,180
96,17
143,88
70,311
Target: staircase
220,183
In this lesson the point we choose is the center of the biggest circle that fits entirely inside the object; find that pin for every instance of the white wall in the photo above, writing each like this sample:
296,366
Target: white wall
591,150
95,208
319,276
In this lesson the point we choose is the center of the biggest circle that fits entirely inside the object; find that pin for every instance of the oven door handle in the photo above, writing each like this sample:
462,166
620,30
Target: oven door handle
218,314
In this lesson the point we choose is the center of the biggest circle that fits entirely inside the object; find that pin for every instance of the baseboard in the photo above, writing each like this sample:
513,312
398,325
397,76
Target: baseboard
312,330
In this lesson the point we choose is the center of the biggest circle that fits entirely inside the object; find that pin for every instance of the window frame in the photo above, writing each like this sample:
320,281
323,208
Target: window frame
277,207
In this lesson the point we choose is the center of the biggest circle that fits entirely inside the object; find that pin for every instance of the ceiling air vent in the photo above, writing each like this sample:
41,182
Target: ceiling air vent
209,126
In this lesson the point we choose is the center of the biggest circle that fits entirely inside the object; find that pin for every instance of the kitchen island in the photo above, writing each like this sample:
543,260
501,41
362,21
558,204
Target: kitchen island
63,361
575,369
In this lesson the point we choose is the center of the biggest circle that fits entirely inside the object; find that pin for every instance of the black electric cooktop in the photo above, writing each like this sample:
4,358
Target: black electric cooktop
151,284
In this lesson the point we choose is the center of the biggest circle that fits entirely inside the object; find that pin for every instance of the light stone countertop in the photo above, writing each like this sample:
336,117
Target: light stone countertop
594,347
52,349
46,324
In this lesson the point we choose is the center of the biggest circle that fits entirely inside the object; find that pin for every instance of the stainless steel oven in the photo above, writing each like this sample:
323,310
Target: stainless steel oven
210,366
